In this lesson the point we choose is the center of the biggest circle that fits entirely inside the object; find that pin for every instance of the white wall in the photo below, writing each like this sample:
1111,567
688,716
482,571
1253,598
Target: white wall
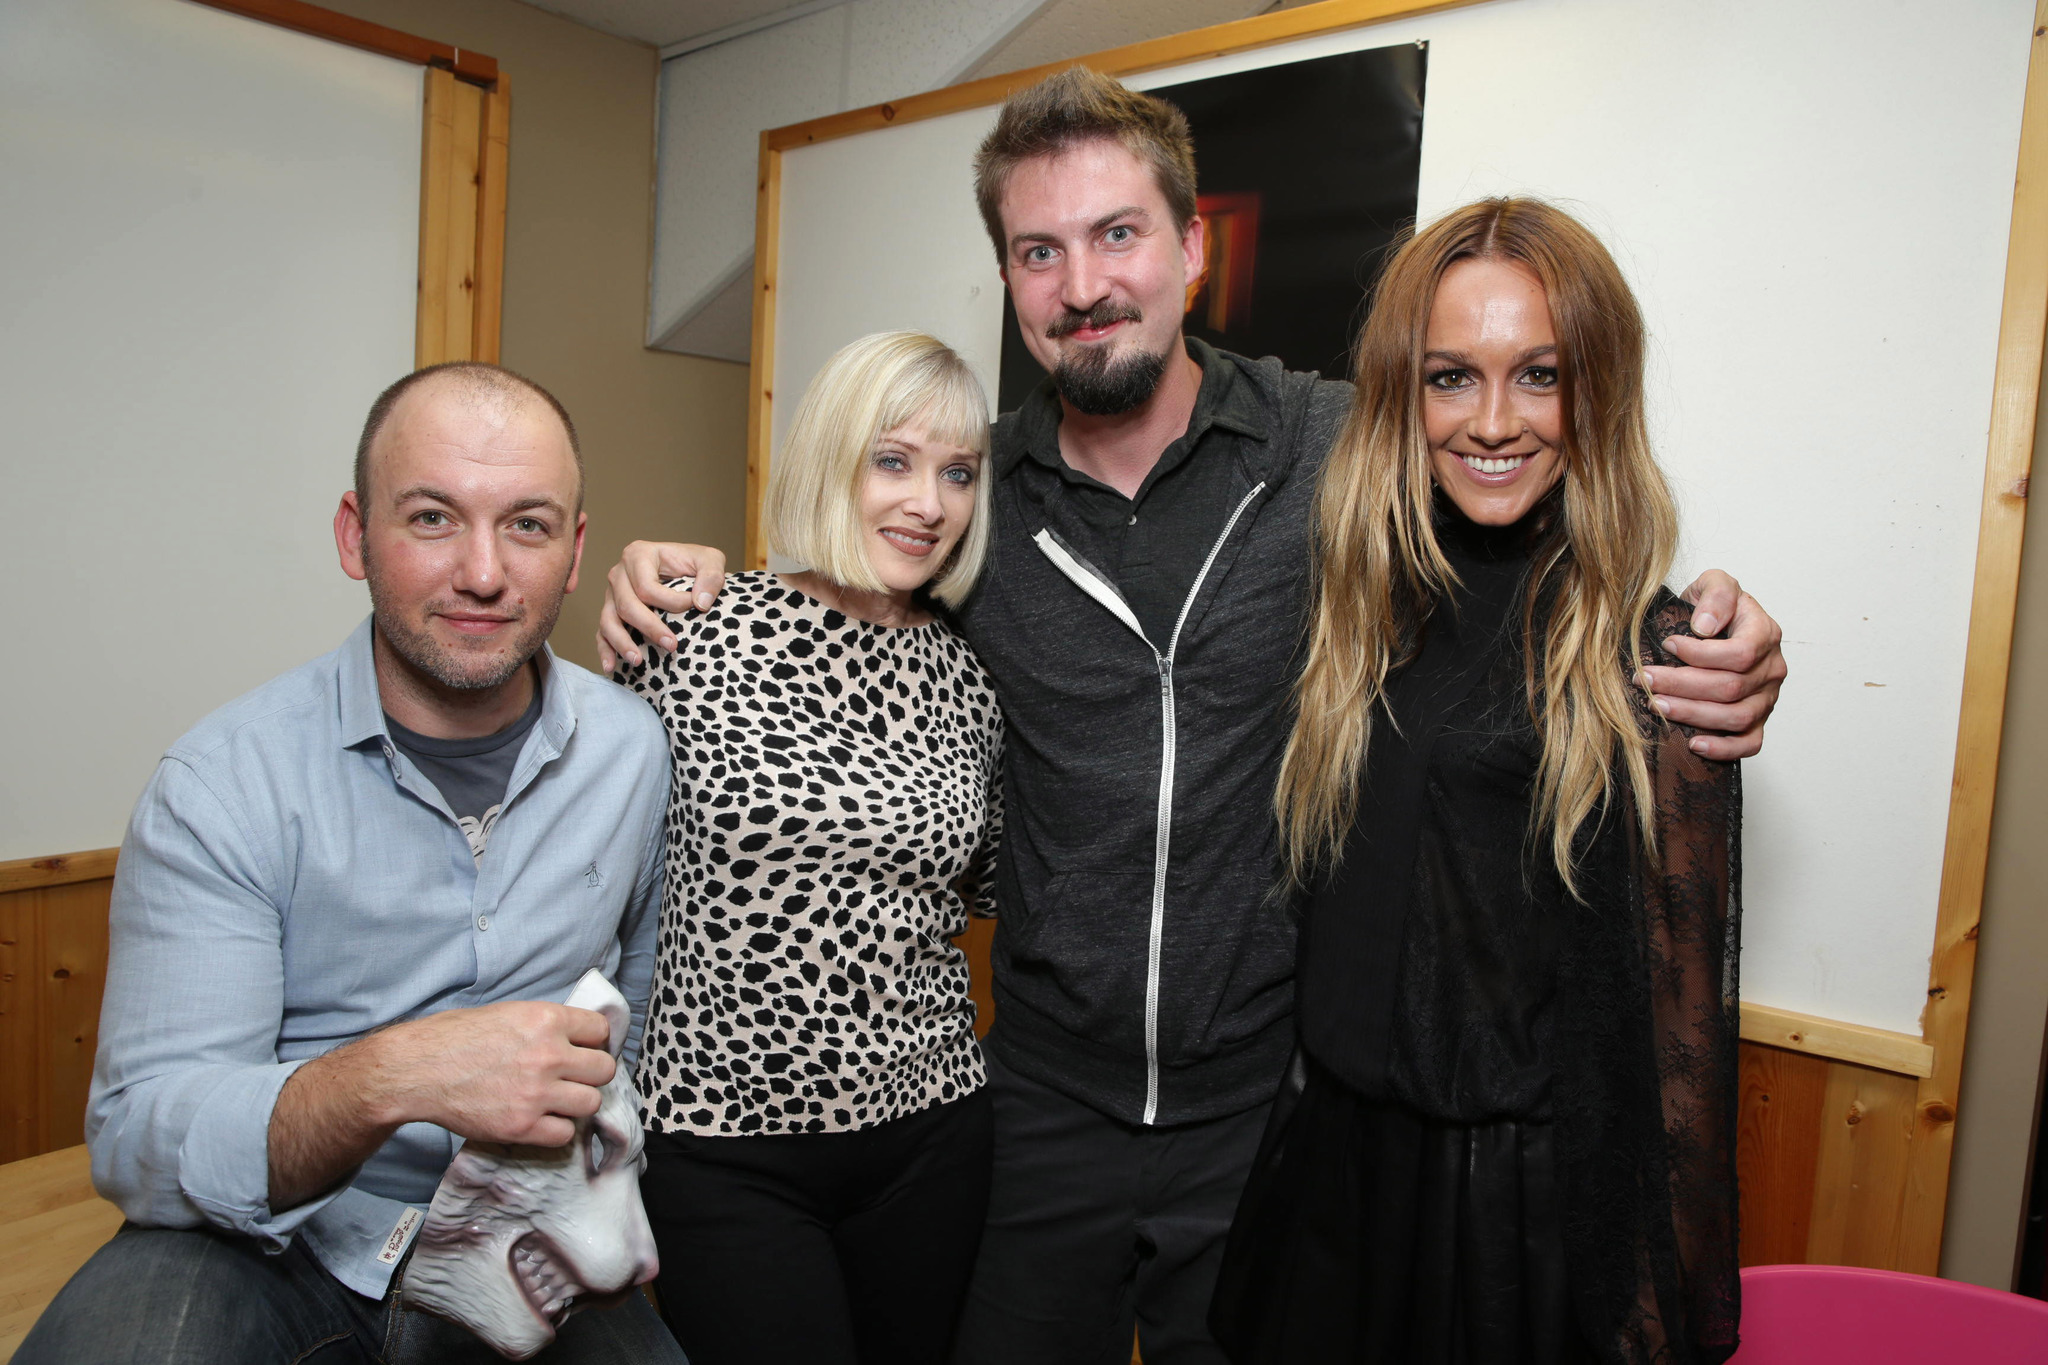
210,247
840,203
715,101
1812,199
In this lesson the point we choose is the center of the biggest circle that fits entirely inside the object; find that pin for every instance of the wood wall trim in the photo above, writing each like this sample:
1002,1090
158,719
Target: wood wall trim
2016,387
473,67
53,969
1879,1048
761,402
465,152
59,869
451,163
1239,35
489,305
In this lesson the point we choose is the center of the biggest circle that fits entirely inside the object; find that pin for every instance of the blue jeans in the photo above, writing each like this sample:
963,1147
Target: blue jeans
194,1297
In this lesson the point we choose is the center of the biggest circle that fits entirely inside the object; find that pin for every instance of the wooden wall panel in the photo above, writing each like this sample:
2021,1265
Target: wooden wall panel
451,156
1777,1151
1823,1146
20,947
2016,393
761,403
492,167
1865,1139
301,17
53,967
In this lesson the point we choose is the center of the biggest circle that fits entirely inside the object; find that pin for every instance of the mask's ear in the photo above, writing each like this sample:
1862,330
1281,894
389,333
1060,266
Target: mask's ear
595,993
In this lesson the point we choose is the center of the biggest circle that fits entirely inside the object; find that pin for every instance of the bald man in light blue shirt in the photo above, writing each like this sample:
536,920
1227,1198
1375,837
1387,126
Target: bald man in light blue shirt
329,968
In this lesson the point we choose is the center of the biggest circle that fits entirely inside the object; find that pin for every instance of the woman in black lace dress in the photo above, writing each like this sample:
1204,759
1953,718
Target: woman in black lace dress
1510,1135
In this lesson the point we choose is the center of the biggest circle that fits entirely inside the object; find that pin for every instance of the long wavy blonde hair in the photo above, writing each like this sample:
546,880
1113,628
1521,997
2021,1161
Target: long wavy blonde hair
1598,561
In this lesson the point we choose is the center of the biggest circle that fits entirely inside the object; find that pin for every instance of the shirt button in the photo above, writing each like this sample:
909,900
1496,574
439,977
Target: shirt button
1133,521
483,921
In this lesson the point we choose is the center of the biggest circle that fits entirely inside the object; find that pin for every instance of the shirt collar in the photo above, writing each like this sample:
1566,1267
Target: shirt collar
1224,400
362,706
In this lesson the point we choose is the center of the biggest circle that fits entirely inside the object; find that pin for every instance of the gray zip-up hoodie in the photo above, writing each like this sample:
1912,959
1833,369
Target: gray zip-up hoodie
1141,965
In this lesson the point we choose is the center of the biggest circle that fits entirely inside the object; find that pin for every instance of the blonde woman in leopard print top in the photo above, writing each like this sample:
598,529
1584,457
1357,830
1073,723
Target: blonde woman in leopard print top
818,1131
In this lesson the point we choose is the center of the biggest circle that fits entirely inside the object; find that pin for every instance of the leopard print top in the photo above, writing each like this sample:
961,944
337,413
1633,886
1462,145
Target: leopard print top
833,820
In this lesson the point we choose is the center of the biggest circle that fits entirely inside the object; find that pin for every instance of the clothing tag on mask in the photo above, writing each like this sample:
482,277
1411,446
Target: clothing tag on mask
401,1237
518,1238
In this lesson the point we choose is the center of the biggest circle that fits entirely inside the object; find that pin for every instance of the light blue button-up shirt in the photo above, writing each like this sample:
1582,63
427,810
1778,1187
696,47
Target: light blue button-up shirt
290,882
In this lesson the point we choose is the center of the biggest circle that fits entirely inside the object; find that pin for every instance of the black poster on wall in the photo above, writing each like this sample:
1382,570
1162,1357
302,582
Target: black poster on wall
1306,171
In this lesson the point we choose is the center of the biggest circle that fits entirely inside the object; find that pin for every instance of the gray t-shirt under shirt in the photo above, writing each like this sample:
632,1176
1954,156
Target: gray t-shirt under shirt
472,775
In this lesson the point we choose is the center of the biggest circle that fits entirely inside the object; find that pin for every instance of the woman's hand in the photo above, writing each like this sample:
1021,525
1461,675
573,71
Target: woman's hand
634,593
1730,686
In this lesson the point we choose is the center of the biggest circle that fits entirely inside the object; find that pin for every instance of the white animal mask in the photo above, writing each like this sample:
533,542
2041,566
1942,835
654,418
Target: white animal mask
518,1238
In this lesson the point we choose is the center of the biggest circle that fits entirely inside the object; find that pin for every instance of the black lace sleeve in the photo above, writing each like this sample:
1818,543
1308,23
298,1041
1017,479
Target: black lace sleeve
1647,1103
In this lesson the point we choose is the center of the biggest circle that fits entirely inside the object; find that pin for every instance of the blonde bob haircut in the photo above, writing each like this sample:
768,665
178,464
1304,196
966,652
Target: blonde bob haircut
870,387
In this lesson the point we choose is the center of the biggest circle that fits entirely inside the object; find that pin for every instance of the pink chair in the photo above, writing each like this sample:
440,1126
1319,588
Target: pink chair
1823,1314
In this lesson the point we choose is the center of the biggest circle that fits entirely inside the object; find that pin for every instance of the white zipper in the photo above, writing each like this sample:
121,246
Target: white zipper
1091,582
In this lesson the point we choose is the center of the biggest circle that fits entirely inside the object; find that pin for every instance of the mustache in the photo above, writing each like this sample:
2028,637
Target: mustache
1101,315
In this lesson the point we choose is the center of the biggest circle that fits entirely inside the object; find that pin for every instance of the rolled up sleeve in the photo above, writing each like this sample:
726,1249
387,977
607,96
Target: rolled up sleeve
178,1119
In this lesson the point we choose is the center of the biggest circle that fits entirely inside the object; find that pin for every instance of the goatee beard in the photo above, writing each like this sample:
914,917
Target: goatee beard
1102,385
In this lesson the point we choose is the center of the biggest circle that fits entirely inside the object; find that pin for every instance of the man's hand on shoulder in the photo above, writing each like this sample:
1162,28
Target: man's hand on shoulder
518,1072
1730,685
635,592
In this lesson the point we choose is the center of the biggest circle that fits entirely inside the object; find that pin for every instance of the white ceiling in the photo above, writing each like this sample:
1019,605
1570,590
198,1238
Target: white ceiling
661,22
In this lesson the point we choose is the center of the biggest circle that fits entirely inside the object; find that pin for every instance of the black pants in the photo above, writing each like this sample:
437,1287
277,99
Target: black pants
820,1248
1096,1227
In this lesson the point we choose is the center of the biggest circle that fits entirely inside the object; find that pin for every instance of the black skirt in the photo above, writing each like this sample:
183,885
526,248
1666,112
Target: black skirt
1370,1233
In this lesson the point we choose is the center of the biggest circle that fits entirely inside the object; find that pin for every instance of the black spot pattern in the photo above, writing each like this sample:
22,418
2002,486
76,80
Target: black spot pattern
834,819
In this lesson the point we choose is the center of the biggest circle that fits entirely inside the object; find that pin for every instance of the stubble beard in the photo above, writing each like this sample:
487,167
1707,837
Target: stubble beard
458,670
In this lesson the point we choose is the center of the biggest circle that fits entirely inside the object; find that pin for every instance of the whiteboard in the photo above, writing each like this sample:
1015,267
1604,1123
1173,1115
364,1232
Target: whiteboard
210,250
1811,198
